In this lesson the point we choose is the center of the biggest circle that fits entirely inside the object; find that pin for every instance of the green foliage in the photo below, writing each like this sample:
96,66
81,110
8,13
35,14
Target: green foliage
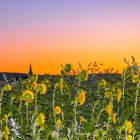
110,109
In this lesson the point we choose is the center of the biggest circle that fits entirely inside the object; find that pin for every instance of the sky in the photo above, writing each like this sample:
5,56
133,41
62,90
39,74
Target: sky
49,33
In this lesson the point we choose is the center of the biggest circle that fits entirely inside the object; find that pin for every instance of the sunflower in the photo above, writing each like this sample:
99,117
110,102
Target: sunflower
114,117
7,87
129,137
129,126
34,85
108,94
109,108
120,93
28,96
42,88
59,123
103,82
47,83
40,119
57,110
135,79
82,97
6,132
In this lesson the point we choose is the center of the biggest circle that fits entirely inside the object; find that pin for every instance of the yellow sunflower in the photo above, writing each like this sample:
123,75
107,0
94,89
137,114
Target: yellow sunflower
7,87
114,117
129,137
129,126
48,83
34,85
135,79
42,88
120,93
57,110
108,94
6,132
28,96
59,123
109,108
82,97
41,119
104,83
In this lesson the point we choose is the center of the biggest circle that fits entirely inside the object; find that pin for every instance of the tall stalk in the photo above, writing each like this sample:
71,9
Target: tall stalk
123,90
93,110
61,90
36,101
20,105
54,103
79,130
75,104
57,133
136,102
27,115
1,95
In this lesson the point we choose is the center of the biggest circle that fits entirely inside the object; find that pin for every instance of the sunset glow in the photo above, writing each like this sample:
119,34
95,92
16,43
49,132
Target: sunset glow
51,32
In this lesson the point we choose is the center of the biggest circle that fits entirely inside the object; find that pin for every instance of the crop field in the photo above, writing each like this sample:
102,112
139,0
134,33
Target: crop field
70,107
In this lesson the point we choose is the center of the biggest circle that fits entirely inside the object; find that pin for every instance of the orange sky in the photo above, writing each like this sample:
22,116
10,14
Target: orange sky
69,33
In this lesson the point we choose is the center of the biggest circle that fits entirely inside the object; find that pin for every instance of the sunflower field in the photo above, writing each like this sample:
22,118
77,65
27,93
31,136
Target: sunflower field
71,107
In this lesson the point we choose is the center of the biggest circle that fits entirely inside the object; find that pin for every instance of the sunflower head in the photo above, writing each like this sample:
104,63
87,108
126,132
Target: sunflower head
108,94
34,85
28,96
59,123
7,87
41,119
109,108
119,95
57,110
129,126
129,137
46,82
104,83
114,117
135,79
42,88
82,97
6,132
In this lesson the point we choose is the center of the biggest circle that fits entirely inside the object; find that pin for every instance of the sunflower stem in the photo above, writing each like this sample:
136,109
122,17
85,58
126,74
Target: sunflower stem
61,90
136,103
27,107
36,101
75,104
1,95
54,103
124,79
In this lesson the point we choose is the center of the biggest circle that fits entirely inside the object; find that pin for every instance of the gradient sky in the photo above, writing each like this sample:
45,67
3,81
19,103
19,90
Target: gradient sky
54,32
